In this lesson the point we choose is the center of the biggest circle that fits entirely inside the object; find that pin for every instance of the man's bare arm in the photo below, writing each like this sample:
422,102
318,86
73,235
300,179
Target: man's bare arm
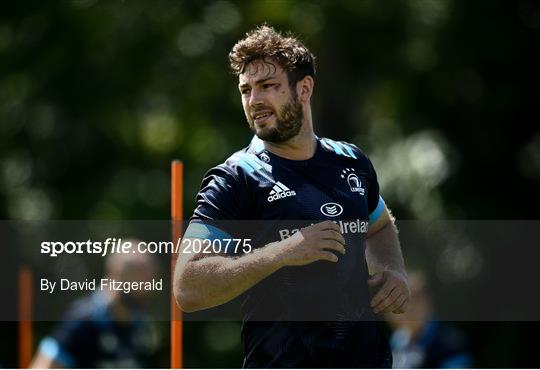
385,261
207,281
203,282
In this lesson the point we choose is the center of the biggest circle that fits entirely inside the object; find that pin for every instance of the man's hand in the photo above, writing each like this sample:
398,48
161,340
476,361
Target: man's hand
393,293
201,283
313,243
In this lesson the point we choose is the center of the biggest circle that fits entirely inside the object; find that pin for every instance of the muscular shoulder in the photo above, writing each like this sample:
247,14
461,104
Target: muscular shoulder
227,190
239,165
343,150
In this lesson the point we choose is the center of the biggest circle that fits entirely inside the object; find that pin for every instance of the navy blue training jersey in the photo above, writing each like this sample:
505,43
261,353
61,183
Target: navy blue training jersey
317,315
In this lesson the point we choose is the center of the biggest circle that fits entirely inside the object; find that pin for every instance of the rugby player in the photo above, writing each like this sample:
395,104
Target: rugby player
307,281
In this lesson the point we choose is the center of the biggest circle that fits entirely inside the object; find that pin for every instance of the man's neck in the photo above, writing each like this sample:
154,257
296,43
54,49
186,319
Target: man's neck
298,148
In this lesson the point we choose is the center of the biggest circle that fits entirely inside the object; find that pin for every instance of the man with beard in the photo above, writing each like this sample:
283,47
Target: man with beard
322,223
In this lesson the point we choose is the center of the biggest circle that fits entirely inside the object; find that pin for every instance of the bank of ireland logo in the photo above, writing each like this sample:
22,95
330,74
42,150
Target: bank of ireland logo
331,209
349,174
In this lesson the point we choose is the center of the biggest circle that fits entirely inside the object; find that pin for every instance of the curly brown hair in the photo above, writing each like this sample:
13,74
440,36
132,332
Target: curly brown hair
265,42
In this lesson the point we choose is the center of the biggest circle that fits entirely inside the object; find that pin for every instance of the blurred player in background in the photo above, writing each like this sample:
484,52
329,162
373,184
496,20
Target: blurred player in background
419,341
319,273
107,329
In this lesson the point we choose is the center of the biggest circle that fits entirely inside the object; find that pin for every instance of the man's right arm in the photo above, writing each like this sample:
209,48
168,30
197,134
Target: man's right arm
207,281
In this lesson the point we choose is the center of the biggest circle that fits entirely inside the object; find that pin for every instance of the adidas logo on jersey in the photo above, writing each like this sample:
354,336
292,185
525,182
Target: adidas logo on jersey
280,191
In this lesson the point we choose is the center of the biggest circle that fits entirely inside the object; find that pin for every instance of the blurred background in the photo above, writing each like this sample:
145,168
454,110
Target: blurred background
97,97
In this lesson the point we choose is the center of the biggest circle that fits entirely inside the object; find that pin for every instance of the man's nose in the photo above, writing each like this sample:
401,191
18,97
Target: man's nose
255,98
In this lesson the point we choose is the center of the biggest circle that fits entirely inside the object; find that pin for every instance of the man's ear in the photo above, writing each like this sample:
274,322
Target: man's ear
304,89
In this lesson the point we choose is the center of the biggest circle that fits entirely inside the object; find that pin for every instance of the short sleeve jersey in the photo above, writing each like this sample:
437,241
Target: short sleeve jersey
303,315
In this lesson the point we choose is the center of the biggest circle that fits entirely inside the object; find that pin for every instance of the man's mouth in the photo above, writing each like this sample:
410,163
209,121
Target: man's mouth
261,117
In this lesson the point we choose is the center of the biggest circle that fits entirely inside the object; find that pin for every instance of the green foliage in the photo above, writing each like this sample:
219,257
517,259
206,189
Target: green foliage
97,97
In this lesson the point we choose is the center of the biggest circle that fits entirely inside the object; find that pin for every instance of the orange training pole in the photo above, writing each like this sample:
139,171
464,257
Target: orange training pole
25,317
177,188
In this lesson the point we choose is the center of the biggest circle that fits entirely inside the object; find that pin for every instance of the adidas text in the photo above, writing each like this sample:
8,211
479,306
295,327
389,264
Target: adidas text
280,195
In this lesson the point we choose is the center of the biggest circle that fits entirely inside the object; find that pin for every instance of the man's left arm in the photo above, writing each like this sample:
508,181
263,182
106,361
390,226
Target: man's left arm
385,263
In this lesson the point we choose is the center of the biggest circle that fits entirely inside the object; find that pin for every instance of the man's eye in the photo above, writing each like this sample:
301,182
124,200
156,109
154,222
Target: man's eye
245,92
267,86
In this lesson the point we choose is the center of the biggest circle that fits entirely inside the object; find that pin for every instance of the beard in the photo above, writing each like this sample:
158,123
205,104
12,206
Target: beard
288,123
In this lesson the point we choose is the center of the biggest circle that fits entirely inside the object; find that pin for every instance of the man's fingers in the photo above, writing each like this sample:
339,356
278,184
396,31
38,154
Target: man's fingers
383,292
328,256
387,303
333,245
328,225
401,307
333,235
